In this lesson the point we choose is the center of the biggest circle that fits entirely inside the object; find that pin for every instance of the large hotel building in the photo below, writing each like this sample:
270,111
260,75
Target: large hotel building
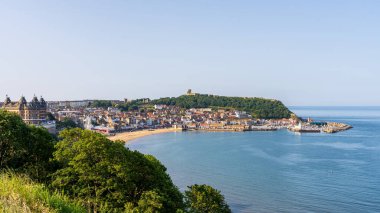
33,112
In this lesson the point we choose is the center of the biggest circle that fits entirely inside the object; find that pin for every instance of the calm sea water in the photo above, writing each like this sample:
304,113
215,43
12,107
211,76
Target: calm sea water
282,171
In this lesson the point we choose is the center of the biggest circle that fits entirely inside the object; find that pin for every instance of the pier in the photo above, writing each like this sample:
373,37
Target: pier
329,127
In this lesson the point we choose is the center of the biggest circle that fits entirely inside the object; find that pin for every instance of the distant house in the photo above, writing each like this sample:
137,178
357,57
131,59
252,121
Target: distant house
204,126
74,104
191,125
241,114
159,107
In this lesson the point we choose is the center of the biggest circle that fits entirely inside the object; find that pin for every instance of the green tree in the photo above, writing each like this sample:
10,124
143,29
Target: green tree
40,148
101,104
104,175
161,180
13,139
205,199
24,148
150,202
50,116
66,123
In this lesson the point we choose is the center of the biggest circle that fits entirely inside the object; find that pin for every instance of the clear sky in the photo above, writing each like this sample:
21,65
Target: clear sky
303,52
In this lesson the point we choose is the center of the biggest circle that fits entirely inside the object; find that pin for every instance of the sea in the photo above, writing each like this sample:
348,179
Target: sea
281,171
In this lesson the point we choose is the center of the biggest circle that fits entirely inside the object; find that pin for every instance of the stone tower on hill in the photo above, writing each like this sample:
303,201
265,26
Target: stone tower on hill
190,92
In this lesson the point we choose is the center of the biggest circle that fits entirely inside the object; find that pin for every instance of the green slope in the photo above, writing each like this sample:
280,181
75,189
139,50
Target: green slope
257,107
19,194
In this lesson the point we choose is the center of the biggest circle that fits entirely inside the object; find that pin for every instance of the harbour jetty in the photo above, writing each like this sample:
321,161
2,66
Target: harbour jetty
334,127
315,127
304,128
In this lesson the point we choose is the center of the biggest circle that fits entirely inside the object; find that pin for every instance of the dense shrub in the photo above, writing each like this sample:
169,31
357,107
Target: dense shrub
105,176
24,148
205,199
100,175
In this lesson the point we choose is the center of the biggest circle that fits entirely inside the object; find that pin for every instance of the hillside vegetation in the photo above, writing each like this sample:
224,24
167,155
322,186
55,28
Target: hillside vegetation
83,171
257,107
19,194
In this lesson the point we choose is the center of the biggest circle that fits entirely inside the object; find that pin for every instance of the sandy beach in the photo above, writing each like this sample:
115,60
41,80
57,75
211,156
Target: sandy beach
128,136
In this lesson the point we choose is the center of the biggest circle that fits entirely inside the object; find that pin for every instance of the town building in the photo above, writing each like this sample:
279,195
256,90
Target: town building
33,112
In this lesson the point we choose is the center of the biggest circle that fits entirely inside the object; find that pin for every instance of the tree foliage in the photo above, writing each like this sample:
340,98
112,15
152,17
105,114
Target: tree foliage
134,105
50,117
40,151
150,202
13,140
24,148
105,176
257,107
101,175
205,199
66,123
101,104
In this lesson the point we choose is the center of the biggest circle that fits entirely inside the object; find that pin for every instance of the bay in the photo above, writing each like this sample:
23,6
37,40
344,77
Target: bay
281,171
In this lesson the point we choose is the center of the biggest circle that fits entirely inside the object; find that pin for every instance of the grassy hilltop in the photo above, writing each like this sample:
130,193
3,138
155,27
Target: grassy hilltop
257,107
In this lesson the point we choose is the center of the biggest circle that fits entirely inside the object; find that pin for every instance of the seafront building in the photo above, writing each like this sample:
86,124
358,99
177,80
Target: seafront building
33,112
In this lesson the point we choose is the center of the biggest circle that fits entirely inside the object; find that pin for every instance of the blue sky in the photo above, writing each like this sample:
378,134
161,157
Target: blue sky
302,52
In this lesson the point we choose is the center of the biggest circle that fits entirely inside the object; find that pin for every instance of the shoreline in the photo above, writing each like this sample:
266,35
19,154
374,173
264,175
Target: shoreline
129,136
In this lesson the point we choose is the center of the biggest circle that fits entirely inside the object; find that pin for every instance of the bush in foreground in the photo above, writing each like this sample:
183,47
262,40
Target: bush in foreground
205,199
106,177
101,175
25,148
